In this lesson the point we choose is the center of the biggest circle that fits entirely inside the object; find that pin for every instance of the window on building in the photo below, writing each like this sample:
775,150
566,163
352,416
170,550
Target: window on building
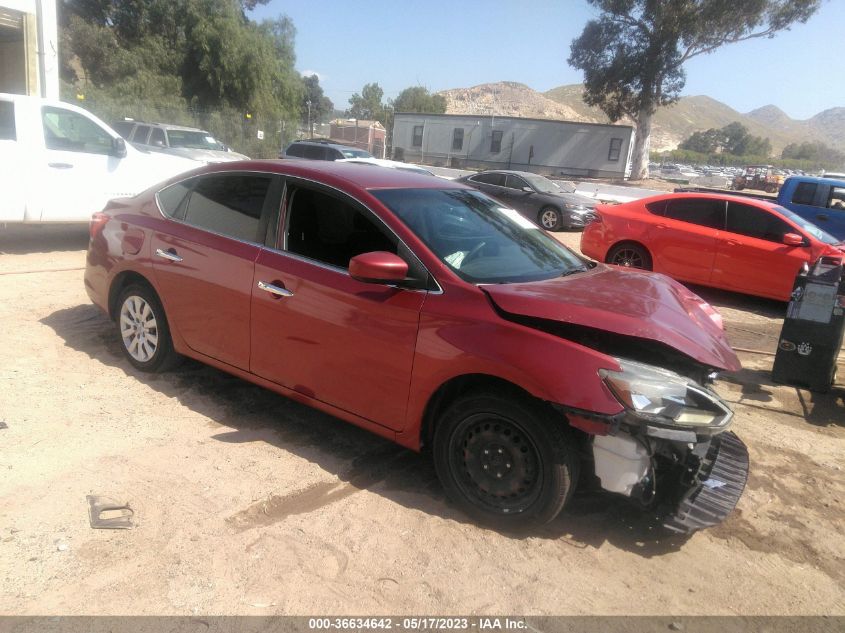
7,121
418,134
805,192
496,142
615,150
458,138
229,204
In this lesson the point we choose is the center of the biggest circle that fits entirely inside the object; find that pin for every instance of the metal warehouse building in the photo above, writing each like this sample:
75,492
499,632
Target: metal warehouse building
492,142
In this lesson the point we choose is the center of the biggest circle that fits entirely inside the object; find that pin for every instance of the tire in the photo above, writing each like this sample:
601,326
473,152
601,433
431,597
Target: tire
503,462
629,256
549,218
143,330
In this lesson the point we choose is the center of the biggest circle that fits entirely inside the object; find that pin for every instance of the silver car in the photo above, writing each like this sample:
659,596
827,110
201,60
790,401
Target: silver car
188,142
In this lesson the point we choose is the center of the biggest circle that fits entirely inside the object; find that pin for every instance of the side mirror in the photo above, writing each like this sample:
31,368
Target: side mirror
528,190
378,267
118,147
793,239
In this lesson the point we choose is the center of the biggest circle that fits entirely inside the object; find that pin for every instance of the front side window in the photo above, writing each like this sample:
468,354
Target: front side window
295,150
229,204
458,138
72,132
701,211
478,238
496,142
331,231
753,222
805,192
314,152
615,150
7,121
490,179
418,135
515,182
837,198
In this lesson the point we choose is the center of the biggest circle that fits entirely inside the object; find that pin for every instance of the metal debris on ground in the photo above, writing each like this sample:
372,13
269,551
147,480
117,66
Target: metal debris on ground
98,505
3,425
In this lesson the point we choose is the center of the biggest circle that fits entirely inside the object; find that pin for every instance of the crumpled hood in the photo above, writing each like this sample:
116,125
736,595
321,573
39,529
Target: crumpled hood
628,302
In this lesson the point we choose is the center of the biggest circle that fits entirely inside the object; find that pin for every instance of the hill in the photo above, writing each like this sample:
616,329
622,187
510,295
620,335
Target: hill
671,124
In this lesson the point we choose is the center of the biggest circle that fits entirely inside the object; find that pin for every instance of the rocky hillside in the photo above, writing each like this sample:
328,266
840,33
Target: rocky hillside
671,125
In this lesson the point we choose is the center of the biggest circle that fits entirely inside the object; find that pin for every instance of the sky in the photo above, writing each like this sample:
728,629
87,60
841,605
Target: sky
463,43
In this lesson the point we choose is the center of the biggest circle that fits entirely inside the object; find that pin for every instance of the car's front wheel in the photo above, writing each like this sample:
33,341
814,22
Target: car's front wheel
143,330
503,461
550,219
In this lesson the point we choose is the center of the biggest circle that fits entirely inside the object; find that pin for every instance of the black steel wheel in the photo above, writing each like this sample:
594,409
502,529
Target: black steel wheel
629,256
550,219
503,461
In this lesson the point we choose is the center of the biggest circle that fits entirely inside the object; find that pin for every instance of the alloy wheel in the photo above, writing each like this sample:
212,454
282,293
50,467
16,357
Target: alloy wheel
138,328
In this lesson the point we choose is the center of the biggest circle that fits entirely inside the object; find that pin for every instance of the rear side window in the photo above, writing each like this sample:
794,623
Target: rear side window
700,211
157,137
7,121
753,222
173,199
229,204
141,134
805,192
490,179
657,208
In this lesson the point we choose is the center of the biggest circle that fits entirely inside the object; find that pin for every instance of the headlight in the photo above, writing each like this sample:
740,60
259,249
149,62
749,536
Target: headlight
575,207
663,397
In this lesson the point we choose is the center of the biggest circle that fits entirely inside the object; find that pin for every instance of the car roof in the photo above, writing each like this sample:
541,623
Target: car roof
326,144
505,171
333,172
704,196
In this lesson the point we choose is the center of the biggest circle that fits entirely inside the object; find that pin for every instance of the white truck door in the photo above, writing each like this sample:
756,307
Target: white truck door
81,172
12,184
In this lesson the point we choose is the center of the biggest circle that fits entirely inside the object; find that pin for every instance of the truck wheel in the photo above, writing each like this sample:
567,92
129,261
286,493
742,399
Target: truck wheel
629,256
143,330
503,461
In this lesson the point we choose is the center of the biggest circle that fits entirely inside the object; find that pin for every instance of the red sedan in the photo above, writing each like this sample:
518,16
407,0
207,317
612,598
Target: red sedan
427,313
730,242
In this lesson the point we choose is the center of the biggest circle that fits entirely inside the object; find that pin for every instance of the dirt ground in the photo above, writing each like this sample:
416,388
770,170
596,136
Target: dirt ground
247,503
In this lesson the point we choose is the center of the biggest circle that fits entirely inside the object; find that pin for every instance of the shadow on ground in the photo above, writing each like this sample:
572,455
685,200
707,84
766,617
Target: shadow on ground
40,238
357,458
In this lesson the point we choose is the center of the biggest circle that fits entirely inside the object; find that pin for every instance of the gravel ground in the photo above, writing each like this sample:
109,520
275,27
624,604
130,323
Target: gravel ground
247,503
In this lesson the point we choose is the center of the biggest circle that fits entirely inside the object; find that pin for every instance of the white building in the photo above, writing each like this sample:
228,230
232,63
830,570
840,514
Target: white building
544,146
29,48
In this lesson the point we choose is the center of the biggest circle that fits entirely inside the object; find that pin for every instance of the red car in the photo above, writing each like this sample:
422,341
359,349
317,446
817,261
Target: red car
427,313
730,242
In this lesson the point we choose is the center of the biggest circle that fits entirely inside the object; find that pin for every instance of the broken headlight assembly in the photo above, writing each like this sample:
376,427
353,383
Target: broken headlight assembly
667,399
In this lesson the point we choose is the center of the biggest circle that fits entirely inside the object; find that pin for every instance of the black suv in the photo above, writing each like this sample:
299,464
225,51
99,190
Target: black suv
322,150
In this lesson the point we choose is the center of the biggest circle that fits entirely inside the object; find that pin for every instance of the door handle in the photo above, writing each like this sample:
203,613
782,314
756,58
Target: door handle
823,217
660,226
275,290
169,255
731,243
60,165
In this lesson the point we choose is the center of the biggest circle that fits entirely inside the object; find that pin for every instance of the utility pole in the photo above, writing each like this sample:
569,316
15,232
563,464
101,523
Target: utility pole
310,126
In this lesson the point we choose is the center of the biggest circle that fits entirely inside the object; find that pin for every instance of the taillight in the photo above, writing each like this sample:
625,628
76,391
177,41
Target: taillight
95,226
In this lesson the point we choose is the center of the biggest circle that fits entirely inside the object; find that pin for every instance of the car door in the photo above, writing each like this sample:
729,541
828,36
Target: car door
831,218
682,238
521,200
318,331
751,256
205,257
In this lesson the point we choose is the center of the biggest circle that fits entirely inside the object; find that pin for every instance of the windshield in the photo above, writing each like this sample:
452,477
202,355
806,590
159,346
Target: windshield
193,140
355,153
478,238
808,226
544,185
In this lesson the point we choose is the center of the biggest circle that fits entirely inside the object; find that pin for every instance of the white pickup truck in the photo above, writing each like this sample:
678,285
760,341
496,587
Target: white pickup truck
60,163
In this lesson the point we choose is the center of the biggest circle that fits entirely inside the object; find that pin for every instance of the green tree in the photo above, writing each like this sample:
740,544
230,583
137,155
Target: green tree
633,54
368,105
419,99
704,142
314,106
